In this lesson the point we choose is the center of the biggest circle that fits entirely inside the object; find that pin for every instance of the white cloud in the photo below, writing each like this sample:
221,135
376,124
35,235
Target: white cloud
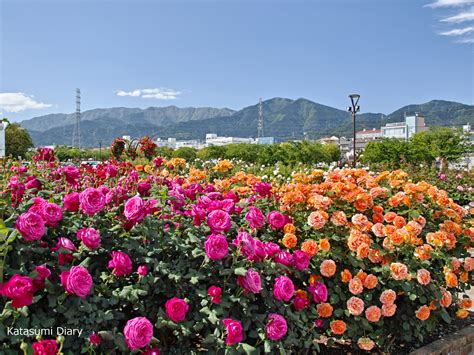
156,93
461,17
466,40
458,31
18,101
448,3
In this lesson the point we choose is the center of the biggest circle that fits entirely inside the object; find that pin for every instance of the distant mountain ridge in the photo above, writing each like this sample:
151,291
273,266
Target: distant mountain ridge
284,119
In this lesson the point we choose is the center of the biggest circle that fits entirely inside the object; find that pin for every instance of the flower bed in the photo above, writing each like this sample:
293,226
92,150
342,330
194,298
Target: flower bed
175,258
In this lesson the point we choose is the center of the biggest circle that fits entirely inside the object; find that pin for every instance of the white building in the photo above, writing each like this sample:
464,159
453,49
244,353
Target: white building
369,134
3,126
213,139
405,130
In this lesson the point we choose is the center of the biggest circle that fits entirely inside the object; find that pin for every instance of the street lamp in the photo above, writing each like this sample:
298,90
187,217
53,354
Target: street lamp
353,110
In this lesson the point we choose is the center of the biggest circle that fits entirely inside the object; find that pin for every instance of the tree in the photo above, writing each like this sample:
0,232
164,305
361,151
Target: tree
17,140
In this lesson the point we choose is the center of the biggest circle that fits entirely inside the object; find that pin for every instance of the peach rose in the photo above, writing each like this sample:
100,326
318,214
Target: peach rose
399,271
469,264
324,244
377,229
446,298
390,216
346,276
339,218
356,286
355,306
423,276
371,281
338,327
324,310
328,268
363,250
388,310
366,344
388,297
317,219
359,219
423,313
373,314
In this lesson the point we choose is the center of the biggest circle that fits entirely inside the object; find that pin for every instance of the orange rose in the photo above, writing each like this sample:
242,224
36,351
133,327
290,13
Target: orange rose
313,279
375,256
289,240
446,298
324,244
390,216
423,313
339,218
388,310
388,297
377,218
451,279
361,275
324,310
462,313
328,268
310,247
363,250
302,294
399,222
355,306
399,271
366,344
432,306
373,314
465,303
338,327
356,286
371,281
346,276
289,228
464,277
423,276
317,219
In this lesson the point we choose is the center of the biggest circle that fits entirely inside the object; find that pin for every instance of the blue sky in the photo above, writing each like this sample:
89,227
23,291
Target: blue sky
229,53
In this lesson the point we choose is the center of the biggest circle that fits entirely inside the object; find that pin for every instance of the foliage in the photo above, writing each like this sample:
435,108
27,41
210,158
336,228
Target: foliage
117,148
17,140
353,233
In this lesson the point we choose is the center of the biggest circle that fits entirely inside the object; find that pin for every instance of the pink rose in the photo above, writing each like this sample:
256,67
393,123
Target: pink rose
89,237
91,201
284,257
235,332
71,202
263,188
121,263
142,270
319,292
19,289
73,174
138,333
51,213
176,309
276,220
42,273
276,327
251,282
31,226
219,221
215,293
255,218
272,249
77,281
301,260
283,289
216,246
135,209
95,339
246,243
151,351
64,243
45,347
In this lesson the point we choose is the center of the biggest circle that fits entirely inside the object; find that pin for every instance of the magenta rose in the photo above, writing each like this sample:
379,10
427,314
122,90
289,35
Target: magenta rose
142,270
138,333
255,218
91,201
301,260
283,289
31,226
72,174
135,209
276,220
89,237
121,263
51,213
300,302
144,188
271,249
235,332
263,188
284,257
95,339
251,282
77,281
276,327
246,243
45,347
219,221
216,246
151,351
42,273
71,202
176,309
19,289
215,292
319,292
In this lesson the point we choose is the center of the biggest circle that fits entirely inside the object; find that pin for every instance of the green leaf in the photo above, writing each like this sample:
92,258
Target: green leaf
240,271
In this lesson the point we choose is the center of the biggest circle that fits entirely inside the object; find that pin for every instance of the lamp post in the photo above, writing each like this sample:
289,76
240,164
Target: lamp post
353,110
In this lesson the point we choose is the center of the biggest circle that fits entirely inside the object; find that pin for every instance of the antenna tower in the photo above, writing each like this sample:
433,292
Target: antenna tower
260,119
76,135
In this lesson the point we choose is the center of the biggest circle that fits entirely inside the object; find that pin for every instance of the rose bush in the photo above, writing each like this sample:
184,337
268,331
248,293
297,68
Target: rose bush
177,258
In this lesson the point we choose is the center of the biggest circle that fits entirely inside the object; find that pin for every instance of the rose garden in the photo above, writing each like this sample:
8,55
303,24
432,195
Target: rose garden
177,256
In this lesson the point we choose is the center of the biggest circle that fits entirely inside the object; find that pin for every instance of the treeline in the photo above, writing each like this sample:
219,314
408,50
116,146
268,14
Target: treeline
442,143
288,153
65,153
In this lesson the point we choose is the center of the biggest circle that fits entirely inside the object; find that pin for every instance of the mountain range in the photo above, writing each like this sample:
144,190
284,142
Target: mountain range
284,119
